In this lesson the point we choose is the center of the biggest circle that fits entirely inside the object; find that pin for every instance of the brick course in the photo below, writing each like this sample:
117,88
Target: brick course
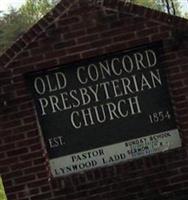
70,32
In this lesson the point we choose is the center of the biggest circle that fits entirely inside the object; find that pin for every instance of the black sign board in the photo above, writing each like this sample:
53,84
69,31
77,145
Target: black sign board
103,101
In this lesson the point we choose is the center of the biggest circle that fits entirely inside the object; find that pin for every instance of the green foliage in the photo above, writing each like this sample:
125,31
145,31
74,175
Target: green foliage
186,15
16,22
32,11
11,28
161,5
150,4
2,190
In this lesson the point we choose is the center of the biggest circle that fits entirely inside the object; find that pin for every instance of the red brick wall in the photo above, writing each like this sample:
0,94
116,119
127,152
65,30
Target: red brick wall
82,33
